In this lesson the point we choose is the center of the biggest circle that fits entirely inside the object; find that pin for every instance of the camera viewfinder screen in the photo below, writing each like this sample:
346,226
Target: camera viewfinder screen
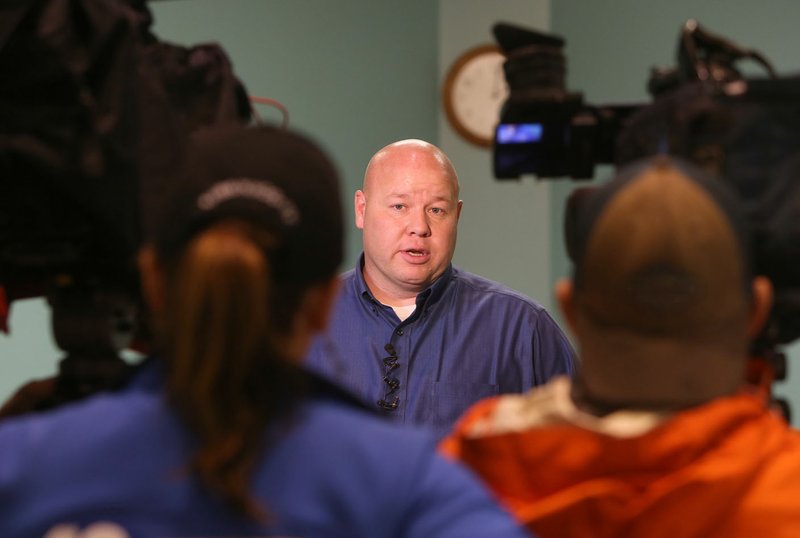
519,133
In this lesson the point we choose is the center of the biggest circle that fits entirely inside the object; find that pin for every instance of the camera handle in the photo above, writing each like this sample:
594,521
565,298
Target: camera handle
705,56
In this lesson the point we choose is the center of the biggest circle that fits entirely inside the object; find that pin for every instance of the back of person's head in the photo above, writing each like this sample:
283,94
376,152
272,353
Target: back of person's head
663,302
240,275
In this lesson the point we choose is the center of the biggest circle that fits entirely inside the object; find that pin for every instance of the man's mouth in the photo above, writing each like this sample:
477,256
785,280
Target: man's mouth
416,256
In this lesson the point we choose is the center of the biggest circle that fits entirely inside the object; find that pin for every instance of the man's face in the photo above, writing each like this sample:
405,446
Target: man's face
408,211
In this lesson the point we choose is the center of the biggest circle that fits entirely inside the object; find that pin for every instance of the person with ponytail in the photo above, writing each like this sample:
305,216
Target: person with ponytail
222,432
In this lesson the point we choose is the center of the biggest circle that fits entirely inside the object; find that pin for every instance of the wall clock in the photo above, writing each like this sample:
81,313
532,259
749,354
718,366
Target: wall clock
474,90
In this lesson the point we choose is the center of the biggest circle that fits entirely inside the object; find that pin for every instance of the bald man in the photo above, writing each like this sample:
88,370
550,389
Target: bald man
657,434
419,339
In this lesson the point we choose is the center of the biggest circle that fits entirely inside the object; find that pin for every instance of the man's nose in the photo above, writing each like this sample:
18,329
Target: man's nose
418,223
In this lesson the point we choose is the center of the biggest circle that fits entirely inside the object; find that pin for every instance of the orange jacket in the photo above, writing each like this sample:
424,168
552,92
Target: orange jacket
729,468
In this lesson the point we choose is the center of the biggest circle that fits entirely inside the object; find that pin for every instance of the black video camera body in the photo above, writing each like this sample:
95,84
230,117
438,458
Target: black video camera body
743,130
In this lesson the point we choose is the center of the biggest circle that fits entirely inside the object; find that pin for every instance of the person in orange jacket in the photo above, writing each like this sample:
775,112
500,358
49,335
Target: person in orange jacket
657,434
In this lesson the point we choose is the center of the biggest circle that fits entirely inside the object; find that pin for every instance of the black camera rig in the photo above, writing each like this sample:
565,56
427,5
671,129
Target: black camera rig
744,130
95,113
547,130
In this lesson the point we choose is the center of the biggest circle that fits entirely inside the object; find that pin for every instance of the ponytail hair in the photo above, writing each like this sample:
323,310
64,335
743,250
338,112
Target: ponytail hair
227,377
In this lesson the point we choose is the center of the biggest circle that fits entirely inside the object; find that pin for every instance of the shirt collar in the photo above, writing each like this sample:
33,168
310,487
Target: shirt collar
428,296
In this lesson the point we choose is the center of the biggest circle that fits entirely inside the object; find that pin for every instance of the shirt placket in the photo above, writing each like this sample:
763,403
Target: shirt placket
400,340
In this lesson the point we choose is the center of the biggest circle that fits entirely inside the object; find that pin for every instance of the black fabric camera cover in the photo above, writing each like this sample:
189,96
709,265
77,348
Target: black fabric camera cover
94,114
747,134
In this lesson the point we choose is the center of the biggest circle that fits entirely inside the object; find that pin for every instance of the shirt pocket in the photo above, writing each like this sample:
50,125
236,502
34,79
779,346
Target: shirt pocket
451,399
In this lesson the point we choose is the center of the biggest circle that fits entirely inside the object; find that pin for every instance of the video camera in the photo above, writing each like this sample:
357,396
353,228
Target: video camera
551,132
745,130
95,113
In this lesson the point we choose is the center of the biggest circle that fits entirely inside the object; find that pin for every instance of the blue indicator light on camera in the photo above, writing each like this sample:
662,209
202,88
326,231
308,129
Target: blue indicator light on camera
519,133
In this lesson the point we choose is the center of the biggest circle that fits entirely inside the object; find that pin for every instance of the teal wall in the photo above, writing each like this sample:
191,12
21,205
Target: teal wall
611,46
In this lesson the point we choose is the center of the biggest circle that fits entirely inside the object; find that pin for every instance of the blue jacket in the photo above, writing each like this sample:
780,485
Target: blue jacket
469,338
118,461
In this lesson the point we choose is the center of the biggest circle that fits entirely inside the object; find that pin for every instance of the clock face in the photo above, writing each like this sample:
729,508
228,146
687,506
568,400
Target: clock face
474,91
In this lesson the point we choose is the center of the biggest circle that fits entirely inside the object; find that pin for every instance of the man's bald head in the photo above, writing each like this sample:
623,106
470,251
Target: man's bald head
406,152
408,211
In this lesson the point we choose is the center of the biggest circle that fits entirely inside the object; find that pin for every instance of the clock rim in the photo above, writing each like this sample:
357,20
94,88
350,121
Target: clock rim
447,93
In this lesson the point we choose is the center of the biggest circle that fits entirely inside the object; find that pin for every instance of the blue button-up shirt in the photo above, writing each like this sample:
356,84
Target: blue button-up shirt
468,338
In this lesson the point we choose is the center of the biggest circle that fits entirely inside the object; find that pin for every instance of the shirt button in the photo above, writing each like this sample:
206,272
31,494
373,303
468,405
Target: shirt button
399,332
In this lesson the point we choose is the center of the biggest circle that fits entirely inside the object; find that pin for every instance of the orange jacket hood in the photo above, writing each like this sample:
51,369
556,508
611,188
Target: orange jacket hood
729,468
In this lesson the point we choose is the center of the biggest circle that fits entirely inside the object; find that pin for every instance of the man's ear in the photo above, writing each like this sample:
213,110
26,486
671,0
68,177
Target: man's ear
458,210
360,206
565,297
761,305
152,278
